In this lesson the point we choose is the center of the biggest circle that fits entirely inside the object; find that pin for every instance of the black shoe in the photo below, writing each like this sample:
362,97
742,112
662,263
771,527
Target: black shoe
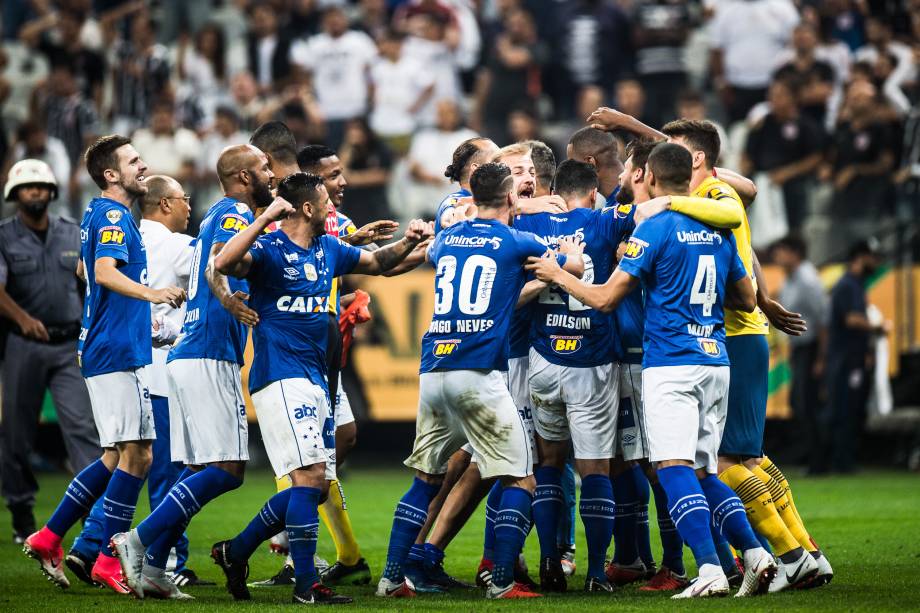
521,574
650,571
23,522
599,585
552,579
436,575
285,576
320,594
81,566
341,574
236,572
188,578
735,579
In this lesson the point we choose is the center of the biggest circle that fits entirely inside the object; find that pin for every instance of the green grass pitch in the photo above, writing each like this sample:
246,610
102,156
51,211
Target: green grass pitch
868,525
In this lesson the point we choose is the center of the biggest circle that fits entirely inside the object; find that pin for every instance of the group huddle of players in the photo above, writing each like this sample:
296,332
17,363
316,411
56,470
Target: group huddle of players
626,342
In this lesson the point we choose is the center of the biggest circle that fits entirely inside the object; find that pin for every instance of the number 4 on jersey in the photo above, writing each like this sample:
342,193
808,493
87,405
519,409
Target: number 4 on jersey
704,284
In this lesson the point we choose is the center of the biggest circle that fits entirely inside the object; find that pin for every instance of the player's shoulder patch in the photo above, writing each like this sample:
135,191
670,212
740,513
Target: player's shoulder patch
111,235
635,247
233,222
113,215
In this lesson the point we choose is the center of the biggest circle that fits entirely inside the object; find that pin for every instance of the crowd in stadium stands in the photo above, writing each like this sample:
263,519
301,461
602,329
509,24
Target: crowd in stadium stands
816,97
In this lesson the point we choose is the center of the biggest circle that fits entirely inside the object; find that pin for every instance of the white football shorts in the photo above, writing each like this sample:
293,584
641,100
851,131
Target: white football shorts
207,413
685,409
475,406
343,414
632,436
121,406
576,403
297,427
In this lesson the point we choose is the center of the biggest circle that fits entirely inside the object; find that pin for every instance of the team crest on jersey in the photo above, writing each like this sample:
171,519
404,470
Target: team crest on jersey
111,235
113,216
709,346
445,348
234,222
310,271
565,345
622,211
634,248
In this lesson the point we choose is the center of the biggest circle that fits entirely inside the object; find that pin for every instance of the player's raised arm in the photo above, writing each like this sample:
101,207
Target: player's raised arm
234,258
373,232
608,120
746,189
386,258
604,297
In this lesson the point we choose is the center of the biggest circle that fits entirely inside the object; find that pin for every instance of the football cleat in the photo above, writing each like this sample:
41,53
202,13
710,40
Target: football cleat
80,566
358,573
484,573
593,584
568,561
235,572
285,576
711,582
107,572
509,592
436,575
39,546
188,577
320,594
623,574
794,574
666,580
521,574
162,587
391,589
825,572
130,553
415,573
552,579
759,570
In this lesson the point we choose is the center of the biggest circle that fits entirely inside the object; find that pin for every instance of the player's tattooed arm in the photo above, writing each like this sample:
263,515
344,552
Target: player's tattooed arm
109,277
381,230
604,297
234,302
745,188
386,258
740,296
412,261
781,319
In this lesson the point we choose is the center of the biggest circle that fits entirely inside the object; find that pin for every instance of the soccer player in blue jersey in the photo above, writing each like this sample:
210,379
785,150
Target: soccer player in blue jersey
114,350
574,378
463,395
290,272
208,414
687,270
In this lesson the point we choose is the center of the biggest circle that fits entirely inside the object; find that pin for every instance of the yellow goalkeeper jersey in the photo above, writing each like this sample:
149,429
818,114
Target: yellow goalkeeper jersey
737,322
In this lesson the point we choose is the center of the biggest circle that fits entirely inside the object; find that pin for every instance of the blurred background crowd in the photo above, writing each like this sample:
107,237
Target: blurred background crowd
816,98
816,101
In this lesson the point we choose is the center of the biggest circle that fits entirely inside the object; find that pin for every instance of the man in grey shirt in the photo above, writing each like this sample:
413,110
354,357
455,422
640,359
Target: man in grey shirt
804,293
42,299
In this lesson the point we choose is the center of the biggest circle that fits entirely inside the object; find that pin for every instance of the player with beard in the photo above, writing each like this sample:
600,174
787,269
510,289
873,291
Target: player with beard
114,350
207,410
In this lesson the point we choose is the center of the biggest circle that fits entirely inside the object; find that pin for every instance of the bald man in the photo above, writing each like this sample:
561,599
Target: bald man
209,430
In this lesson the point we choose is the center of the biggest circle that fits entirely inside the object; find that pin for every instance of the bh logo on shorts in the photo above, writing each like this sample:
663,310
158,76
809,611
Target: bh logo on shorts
709,346
445,348
565,345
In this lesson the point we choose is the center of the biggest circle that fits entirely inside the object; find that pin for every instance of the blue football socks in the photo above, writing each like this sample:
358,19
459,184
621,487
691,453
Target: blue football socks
547,509
408,518
512,524
81,494
690,511
302,523
597,511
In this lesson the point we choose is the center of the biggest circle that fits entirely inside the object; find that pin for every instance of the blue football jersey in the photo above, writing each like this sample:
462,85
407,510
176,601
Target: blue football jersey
684,266
449,202
563,330
290,288
209,330
115,334
629,316
478,278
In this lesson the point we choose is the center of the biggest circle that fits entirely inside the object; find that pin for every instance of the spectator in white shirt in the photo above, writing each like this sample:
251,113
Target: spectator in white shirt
744,36
429,155
432,41
166,148
337,61
400,87
893,60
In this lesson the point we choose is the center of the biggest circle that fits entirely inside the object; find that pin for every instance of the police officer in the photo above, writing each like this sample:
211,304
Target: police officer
42,298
